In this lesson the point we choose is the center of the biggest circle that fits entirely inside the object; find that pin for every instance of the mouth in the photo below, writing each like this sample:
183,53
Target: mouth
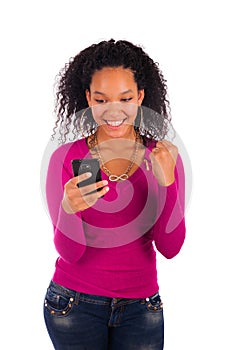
115,123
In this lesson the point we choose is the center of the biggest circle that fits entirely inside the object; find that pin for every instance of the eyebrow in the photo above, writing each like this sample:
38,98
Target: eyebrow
103,94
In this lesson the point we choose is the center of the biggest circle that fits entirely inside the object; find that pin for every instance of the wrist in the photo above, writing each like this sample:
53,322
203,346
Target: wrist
66,207
166,182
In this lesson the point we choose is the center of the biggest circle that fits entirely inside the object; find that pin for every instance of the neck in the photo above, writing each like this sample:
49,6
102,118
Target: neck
116,160
118,146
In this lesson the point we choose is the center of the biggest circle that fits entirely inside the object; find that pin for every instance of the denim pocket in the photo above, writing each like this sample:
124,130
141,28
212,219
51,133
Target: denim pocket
154,303
58,302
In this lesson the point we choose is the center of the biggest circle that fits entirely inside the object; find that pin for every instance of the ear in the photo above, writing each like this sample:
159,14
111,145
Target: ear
88,97
141,95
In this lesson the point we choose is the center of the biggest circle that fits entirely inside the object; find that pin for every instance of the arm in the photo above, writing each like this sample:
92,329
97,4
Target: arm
69,238
169,229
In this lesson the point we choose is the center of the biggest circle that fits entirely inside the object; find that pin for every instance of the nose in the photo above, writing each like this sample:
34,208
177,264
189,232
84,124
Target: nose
114,110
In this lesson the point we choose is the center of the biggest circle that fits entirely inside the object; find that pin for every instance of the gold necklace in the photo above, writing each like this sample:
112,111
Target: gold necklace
124,176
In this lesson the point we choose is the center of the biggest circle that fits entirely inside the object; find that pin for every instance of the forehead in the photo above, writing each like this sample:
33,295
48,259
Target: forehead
113,77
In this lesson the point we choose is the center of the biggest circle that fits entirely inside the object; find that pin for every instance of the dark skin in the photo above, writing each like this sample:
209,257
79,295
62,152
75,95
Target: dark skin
116,87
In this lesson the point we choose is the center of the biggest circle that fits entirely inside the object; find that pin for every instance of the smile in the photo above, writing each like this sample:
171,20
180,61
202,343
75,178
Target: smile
115,123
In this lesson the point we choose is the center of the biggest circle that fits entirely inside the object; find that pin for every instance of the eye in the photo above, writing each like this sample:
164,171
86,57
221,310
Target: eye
100,101
126,99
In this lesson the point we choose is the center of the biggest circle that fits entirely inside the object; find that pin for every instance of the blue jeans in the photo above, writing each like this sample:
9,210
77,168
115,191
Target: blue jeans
78,321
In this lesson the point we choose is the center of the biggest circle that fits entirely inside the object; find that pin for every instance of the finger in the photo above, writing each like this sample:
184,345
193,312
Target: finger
91,198
103,191
168,144
163,144
159,144
101,184
173,149
80,178
92,187
156,149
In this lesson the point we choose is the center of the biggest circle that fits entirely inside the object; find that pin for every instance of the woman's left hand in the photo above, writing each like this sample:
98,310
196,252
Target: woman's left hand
163,158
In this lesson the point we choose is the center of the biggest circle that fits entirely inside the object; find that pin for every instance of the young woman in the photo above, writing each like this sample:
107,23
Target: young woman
104,293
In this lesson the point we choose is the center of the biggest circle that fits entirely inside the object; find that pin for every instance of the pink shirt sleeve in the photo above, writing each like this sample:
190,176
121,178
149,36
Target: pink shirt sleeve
169,229
69,238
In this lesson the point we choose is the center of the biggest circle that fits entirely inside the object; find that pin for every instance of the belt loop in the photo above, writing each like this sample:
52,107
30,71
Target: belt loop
76,298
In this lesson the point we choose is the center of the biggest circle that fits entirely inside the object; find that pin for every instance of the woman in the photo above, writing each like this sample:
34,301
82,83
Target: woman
104,293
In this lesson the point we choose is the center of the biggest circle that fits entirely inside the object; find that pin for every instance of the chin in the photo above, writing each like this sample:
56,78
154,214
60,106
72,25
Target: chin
121,133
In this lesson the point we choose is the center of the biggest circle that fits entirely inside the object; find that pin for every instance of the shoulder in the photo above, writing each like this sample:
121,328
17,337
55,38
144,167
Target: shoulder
62,156
76,148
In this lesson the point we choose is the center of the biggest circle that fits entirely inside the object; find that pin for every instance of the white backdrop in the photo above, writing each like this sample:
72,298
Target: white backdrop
192,42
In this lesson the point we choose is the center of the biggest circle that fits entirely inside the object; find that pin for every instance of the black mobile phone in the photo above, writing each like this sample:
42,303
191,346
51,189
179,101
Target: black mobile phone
87,165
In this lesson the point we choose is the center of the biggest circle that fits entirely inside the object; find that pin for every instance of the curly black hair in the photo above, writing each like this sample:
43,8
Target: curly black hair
76,76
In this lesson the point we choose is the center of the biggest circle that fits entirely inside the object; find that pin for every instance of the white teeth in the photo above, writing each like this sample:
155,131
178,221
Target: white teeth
114,123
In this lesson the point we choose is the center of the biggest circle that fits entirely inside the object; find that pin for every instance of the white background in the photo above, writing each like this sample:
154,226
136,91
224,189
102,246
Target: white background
192,42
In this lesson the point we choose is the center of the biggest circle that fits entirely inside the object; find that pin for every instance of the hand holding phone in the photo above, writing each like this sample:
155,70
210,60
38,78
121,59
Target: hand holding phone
82,191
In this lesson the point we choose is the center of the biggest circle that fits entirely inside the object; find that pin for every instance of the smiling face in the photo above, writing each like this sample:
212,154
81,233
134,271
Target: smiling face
114,98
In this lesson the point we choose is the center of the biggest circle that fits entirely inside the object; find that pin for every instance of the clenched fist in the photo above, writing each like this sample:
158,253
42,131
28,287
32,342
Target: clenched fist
163,158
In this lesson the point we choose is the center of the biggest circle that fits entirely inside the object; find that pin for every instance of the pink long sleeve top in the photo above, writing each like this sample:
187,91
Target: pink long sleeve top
110,248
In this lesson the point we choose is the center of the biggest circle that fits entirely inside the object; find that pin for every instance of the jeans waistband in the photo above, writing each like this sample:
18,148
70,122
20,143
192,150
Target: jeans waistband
97,298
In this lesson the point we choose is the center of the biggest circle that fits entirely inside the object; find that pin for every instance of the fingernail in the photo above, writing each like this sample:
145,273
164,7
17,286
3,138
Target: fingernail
105,182
106,189
88,174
